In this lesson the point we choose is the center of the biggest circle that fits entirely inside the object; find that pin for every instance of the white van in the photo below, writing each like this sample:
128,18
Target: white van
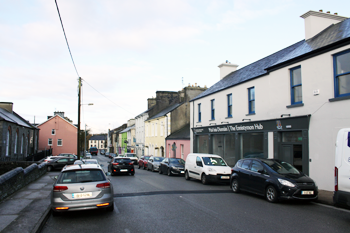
207,167
342,169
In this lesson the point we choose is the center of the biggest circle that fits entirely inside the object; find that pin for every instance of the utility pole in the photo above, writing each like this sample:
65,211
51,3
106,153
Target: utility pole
79,96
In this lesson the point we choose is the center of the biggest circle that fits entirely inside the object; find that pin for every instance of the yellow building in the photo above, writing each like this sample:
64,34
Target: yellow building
157,128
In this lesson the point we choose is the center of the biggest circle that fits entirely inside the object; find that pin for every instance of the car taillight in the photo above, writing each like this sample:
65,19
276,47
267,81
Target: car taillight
115,163
103,185
131,163
59,188
336,179
231,170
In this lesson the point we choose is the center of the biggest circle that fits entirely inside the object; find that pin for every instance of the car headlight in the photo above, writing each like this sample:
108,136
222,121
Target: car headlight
286,183
175,168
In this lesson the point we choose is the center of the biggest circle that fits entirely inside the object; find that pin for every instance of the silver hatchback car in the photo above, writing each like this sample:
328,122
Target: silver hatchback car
81,187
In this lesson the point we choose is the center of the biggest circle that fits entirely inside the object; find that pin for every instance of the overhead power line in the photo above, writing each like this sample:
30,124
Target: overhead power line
58,10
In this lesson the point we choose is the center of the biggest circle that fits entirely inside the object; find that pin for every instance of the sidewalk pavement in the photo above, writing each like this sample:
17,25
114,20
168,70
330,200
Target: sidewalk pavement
28,209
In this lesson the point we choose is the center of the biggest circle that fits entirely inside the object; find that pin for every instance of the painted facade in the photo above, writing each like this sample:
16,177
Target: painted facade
59,134
291,107
156,130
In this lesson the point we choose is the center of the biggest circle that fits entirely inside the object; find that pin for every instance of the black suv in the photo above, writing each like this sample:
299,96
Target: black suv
121,165
273,179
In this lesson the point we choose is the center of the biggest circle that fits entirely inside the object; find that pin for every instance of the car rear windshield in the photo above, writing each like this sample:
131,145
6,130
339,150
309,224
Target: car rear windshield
122,161
213,161
179,161
81,176
281,167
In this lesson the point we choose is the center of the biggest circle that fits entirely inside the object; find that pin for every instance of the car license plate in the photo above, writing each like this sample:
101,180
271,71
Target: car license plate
307,192
182,172
81,195
123,170
225,177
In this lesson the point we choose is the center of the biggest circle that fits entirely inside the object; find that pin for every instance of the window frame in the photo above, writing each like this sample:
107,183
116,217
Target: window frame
200,112
58,140
251,101
48,142
212,109
292,87
229,105
336,76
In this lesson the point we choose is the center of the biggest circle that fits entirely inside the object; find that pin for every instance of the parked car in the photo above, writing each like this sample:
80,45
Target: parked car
207,168
172,166
59,163
102,152
153,163
78,162
143,161
133,157
121,165
91,161
81,187
93,151
88,156
107,154
342,169
273,179
68,155
112,155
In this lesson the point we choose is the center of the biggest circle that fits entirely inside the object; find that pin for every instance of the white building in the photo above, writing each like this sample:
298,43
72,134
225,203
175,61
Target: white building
289,105
140,133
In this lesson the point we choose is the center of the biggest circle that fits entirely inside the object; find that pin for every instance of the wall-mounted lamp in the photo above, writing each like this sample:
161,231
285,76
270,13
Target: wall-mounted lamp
212,124
198,126
246,120
285,115
222,122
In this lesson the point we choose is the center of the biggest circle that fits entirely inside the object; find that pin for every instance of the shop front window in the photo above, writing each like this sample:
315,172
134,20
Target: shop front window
218,145
229,151
203,144
253,145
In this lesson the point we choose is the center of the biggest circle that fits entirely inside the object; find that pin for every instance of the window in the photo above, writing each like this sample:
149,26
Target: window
229,105
50,142
213,109
156,129
251,100
256,166
53,132
295,85
22,141
161,128
342,74
59,142
8,136
16,142
199,113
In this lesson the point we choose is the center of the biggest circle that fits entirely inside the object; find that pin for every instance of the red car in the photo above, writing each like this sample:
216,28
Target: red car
143,161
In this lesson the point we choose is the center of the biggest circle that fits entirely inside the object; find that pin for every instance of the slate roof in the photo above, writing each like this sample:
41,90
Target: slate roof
165,111
128,129
183,133
335,34
98,137
14,118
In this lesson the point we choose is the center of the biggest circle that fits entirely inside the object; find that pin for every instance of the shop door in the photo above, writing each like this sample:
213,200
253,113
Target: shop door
293,154
286,155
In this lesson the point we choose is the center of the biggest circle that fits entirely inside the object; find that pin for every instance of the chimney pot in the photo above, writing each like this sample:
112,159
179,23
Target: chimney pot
328,12
336,13
321,10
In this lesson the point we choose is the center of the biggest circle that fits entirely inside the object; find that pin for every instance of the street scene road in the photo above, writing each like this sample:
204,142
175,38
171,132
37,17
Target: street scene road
151,202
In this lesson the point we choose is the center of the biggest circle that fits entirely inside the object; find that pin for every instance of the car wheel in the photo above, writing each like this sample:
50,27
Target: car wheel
235,186
132,173
110,208
49,168
169,172
204,179
187,177
160,171
271,194
152,169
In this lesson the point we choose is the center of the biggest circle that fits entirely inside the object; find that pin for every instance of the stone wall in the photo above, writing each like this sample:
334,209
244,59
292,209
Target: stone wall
12,181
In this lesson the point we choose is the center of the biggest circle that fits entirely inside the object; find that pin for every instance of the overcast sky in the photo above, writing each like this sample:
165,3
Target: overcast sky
126,50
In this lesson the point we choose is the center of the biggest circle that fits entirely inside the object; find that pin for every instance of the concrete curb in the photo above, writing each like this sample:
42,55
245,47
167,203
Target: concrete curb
40,224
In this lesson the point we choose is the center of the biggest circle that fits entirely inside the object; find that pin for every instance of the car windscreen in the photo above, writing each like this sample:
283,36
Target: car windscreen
177,161
213,161
147,157
81,176
122,161
158,159
281,167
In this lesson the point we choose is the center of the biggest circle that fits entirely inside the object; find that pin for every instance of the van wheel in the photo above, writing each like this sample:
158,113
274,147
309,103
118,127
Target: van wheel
235,186
204,179
187,177
271,194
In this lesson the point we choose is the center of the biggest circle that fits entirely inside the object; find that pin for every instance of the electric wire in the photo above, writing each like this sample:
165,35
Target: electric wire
58,11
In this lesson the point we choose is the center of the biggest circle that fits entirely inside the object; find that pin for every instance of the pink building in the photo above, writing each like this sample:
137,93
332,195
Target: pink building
178,144
59,134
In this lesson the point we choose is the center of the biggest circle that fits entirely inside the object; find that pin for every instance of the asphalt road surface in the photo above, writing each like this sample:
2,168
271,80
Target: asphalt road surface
150,202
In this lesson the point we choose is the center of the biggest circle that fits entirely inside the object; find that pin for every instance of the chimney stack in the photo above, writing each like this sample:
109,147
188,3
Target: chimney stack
226,68
315,22
8,106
